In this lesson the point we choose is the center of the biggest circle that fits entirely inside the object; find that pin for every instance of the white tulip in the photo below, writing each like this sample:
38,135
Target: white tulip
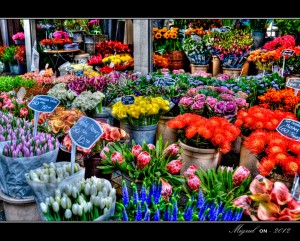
112,193
47,201
69,202
102,203
85,207
68,190
99,185
55,206
75,192
97,201
108,202
81,199
87,189
104,191
93,190
44,207
63,202
79,211
58,200
32,175
68,213
52,165
105,211
75,208
51,200
90,206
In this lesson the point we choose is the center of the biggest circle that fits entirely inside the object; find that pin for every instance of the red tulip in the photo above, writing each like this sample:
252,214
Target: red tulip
171,150
143,159
243,202
174,166
190,171
116,156
102,153
136,150
194,182
240,175
166,190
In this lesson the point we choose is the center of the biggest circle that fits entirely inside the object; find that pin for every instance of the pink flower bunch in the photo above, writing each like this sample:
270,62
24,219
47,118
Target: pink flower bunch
93,22
7,102
223,77
193,181
60,34
178,71
202,74
18,36
287,41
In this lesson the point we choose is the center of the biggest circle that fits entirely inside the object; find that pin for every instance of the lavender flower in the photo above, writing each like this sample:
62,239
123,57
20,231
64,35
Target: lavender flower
125,193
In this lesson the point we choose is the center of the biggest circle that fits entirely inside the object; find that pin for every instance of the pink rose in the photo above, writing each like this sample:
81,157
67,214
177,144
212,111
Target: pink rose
174,166
171,150
243,202
151,146
23,112
116,156
190,171
193,182
102,153
143,160
136,150
240,175
166,190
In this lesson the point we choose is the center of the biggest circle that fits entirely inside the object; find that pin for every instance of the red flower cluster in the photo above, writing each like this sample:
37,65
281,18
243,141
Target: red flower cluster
107,48
258,117
199,131
280,154
95,60
20,54
106,69
284,42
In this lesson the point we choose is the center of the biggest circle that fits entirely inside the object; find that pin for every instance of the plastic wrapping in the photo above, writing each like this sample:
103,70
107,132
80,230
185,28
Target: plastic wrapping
12,173
42,190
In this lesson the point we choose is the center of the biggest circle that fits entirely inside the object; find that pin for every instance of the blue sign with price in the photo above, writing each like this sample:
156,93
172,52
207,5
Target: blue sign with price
43,103
290,129
85,132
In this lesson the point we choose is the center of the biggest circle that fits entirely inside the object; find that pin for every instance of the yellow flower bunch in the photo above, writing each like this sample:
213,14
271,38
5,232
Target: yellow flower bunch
117,59
144,111
166,40
165,33
91,73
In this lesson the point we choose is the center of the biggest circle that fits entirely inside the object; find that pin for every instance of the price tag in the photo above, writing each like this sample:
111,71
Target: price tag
287,52
294,83
290,129
127,100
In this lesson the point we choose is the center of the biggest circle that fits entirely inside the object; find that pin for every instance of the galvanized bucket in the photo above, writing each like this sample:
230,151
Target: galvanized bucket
141,133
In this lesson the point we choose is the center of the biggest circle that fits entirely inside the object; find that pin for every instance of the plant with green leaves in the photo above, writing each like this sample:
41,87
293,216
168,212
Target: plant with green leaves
147,162
8,83
259,24
9,54
288,26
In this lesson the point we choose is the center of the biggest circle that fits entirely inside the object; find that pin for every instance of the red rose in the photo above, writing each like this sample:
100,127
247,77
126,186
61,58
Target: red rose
143,160
174,166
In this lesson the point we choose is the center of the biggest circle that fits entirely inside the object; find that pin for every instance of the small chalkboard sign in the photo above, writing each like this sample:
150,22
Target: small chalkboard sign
85,132
293,83
127,100
290,129
287,52
43,103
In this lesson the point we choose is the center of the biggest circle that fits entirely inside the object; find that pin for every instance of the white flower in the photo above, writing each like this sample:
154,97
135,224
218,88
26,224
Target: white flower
55,206
68,213
44,207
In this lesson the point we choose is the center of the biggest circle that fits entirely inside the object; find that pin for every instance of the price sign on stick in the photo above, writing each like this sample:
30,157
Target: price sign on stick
294,83
42,103
286,52
127,100
290,129
85,133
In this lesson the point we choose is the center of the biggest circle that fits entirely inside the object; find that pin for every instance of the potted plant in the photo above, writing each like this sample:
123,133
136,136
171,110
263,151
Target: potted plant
19,38
259,29
289,27
203,140
9,57
77,28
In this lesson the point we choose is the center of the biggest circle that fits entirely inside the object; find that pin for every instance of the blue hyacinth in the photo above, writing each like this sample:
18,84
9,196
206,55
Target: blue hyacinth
200,201
143,194
147,215
204,215
166,214
175,212
124,213
138,216
228,214
149,195
188,212
125,193
135,193
237,215
157,194
213,214
156,214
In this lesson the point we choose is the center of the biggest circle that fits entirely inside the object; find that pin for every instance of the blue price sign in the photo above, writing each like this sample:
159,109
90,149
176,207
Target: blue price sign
43,103
85,132
127,100
289,128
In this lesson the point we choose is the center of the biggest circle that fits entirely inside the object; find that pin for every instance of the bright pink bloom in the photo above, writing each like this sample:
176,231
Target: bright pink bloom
280,193
190,171
143,160
243,202
166,190
151,146
136,150
193,182
171,150
102,153
174,166
116,156
23,112
240,175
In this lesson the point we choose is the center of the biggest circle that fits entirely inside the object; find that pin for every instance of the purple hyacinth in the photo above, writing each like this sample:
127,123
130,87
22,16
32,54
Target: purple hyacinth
125,193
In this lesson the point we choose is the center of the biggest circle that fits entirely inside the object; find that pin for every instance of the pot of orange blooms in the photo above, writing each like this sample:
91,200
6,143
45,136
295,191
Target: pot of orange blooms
263,60
252,123
203,139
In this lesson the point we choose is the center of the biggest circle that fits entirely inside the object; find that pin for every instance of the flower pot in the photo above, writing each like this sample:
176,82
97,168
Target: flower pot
19,42
258,38
204,158
248,159
176,60
232,72
14,68
20,209
141,133
78,36
216,65
168,134
104,116
195,68
90,165
128,181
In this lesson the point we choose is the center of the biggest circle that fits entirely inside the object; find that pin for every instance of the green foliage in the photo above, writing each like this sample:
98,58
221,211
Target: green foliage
258,24
8,83
288,26
9,54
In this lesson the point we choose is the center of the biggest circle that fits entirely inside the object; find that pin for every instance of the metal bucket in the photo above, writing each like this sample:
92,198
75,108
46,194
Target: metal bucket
140,133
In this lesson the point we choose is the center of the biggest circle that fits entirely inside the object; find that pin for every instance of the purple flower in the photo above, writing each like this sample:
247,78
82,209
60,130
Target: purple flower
221,89
219,107
186,102
211,101
226,97
241,103
230,109
192,92
200,97
198,105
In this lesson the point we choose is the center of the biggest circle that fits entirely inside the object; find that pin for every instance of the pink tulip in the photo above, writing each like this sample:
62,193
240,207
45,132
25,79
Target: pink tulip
136,150
166,190
117,156
151,146
243,202
174,166
260,184
171,150
280,193
193,182
143,160
23,112
190,171
240,175
102,153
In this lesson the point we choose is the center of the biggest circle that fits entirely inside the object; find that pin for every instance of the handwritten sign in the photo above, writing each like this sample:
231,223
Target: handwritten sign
287,52
290,129
165,82
43,103
293,83
127,100
85,132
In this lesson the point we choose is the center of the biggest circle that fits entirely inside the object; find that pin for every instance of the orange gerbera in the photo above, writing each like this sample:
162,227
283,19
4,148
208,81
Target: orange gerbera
158,35
191,131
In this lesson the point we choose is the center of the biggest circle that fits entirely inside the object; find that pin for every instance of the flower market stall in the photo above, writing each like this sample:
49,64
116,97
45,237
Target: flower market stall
103,142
